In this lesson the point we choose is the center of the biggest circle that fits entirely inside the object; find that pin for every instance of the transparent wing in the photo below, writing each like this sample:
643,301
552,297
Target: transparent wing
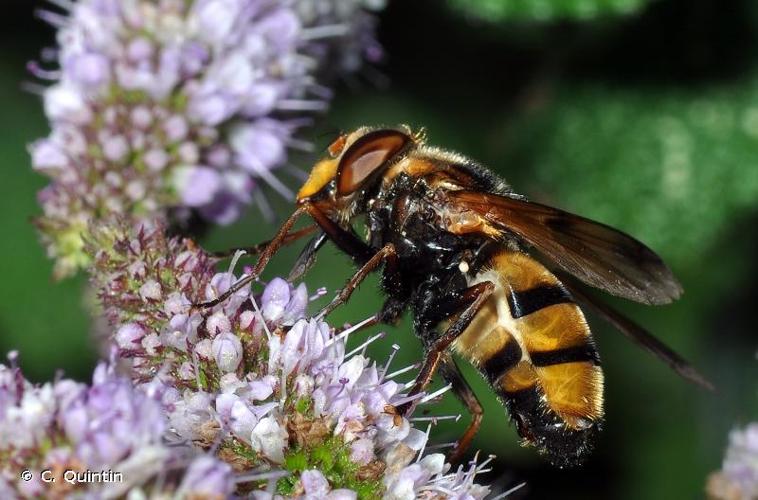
596,254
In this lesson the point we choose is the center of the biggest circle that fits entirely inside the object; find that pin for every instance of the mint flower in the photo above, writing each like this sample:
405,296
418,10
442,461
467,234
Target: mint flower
430,477
738,477
170,107
107,426
207,477
276,394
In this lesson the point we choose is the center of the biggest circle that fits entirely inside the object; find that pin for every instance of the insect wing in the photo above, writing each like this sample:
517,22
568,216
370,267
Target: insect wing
596,254
640,336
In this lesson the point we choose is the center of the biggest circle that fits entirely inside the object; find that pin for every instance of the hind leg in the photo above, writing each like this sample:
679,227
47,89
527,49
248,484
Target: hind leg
462,390
469,302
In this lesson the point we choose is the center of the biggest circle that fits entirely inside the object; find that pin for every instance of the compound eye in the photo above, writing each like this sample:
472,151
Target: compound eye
366,157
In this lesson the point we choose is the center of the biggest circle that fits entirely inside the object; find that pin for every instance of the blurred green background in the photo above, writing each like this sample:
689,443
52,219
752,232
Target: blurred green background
643,115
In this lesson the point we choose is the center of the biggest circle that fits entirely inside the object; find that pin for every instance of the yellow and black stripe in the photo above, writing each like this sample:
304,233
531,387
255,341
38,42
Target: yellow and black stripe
533,344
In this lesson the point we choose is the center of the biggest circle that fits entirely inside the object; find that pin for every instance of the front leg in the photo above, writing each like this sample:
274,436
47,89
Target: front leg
390,314
385,254
348,242
273,246
471,300
260,247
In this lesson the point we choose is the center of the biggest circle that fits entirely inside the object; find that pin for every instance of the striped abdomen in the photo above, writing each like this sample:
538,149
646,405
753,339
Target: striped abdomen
532,343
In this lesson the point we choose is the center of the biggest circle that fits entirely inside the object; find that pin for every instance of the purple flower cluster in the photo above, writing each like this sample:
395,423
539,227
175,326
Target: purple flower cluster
146,283
108,426
430,478
738,477
162,107
253,377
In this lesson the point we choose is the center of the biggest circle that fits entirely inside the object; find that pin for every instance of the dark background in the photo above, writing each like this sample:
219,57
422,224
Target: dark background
646,121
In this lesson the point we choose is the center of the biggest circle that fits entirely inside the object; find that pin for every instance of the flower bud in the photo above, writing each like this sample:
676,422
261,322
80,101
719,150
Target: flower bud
227,351
269,438
129,336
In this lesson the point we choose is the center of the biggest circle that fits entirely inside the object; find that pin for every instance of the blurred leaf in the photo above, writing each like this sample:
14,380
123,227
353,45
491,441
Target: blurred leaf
545,10
672,166
45,321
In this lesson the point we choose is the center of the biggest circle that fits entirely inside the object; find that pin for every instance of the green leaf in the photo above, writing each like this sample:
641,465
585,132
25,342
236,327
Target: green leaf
545,10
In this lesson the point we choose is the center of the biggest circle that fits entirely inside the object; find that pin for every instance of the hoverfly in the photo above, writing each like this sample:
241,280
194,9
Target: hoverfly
464,253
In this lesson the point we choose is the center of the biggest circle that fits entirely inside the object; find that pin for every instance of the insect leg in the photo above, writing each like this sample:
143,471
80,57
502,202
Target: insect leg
387,253
266,255
390,314
452,374
472,298
307,257
260,247
345,240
